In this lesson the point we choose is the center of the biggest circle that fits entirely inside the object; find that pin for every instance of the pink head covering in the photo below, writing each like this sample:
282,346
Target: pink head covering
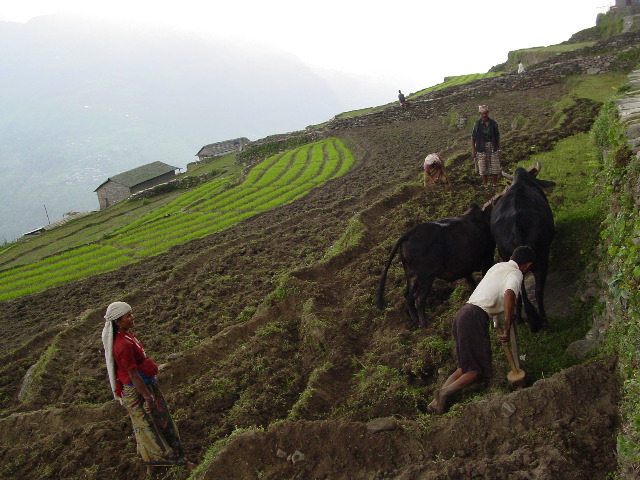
483,109
432,159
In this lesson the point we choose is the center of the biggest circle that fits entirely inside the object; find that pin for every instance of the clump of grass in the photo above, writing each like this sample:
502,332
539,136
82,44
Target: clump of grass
379,389
546,352
350,238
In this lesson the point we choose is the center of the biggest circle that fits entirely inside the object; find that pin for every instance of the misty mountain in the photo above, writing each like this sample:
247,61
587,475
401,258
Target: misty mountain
81,101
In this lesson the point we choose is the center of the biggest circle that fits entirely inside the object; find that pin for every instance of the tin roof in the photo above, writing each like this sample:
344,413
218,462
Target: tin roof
221,148
139,175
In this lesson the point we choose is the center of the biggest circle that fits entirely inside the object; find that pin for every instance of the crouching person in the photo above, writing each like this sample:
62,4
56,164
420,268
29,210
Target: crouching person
434,170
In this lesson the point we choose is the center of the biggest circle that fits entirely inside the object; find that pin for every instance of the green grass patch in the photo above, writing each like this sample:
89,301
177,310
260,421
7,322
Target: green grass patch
573,165
454,81
380,388
209,165
350,238
560,48
596,87
545,353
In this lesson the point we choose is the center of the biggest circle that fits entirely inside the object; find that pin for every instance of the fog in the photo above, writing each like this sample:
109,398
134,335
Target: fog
82,101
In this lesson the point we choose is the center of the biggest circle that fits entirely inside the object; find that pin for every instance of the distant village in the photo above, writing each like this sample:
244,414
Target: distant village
122,186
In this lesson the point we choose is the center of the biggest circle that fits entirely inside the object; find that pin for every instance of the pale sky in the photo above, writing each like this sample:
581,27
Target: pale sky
410,44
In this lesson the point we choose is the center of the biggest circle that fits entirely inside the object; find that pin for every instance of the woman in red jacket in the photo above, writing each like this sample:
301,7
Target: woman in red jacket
133,381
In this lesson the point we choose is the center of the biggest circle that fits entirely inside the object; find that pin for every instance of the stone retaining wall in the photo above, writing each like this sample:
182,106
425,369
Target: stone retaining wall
629,111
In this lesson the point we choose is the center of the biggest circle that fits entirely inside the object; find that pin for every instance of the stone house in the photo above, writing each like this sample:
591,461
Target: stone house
627,7
120,187
629,12
222,148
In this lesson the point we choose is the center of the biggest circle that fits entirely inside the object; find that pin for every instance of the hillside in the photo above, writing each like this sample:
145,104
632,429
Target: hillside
271,340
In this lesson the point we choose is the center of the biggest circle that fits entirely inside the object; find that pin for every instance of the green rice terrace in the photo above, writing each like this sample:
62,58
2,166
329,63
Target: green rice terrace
207,209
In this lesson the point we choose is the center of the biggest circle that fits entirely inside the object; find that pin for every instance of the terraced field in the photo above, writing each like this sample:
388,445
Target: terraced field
456,80
449,82
210,208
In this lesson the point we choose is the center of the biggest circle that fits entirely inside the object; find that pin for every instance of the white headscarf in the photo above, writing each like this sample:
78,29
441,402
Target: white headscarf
432,158
114,311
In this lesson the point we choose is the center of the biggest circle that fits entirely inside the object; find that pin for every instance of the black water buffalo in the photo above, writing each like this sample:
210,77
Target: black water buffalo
449,249
522,216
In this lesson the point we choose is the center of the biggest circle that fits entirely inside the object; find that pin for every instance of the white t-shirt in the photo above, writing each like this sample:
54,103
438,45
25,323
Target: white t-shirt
489,294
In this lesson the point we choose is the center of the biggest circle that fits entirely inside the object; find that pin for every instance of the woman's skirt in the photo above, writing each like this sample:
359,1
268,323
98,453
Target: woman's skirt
156,434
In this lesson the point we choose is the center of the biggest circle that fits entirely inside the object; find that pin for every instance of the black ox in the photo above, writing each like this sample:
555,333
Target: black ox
522,216
448,249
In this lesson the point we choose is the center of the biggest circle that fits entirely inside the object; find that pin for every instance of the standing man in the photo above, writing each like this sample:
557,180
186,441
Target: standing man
485,146
402,100
520,67
496,293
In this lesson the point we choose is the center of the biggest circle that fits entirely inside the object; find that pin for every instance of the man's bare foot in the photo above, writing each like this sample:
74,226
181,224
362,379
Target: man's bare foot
438,405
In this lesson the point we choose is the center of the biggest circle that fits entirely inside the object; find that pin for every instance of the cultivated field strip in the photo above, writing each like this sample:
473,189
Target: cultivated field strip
207,209
457,80
26,280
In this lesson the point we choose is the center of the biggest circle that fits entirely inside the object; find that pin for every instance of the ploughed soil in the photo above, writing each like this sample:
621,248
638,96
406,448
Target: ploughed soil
276,362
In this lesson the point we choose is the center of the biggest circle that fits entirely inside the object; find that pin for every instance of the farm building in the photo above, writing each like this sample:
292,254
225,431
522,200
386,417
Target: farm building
628,11
120,187
627,3
627,7
222,148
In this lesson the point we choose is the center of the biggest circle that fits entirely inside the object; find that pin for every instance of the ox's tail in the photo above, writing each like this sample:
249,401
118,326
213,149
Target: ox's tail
383,280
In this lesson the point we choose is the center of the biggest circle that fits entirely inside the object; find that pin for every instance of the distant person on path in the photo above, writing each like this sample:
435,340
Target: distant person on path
133,382
485,146
402,100
434,170
520,67
496,293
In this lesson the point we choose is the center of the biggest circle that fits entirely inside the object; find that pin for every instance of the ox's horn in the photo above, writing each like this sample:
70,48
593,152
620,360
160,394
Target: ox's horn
538,166
506,175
